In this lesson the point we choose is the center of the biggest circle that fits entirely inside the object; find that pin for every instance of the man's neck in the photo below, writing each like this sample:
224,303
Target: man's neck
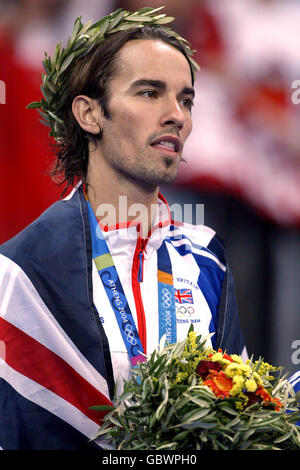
119,204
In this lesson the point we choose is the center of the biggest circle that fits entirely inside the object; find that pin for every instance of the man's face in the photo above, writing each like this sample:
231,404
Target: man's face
149,101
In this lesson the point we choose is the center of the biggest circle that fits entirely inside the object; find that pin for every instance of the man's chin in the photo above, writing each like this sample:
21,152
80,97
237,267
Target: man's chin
166,180
156,177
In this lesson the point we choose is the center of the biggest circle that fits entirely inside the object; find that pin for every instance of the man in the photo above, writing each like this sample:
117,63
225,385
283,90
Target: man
89,289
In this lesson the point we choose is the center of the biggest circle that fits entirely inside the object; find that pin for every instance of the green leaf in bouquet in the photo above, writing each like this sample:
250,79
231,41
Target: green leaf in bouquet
102,407
218,445
170,415
198,401
165,392
284,437
198,425
166,446
181,402
261,414
125,396
104,429
181,435
233,422
157,365
203,391
147,387
115,421
134,419
227,409
265,423
178,349
152,420
244,436
180,387
162,343
194,415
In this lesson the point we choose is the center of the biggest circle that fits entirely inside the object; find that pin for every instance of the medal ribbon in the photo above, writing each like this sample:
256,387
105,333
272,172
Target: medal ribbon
166,298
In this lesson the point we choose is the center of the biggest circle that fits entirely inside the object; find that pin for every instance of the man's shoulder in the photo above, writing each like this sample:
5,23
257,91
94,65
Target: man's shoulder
200,233
54,224
200,236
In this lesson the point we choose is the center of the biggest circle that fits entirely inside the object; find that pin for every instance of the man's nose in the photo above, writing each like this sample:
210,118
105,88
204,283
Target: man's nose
173,115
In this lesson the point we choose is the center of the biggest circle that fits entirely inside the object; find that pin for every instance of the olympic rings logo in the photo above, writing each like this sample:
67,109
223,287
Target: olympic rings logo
130,335
182,310
166,298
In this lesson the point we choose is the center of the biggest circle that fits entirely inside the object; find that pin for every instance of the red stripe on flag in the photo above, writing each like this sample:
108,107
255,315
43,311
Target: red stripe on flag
33,360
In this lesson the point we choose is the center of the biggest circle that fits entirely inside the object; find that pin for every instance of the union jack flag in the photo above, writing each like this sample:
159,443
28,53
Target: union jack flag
184,296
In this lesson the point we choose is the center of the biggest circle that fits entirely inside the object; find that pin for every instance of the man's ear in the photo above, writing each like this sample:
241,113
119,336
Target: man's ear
87,113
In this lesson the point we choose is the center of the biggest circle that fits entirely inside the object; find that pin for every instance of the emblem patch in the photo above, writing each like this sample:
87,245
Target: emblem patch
184,303
184,296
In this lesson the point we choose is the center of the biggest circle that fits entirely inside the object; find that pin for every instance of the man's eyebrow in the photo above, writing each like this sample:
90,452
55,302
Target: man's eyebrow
159,84
188,91
149,82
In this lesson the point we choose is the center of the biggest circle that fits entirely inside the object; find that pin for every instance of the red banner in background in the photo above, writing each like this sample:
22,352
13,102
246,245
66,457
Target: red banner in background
26,188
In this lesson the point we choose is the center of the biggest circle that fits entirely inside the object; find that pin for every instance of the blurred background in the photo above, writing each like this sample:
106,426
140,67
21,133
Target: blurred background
243,157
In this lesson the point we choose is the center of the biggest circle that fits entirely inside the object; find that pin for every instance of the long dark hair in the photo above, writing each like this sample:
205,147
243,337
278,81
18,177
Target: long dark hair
90,76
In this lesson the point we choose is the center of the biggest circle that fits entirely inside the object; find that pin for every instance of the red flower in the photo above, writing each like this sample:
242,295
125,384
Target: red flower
219,383
226,356
277,404
204,368
262,392
267,398
261,395
252,398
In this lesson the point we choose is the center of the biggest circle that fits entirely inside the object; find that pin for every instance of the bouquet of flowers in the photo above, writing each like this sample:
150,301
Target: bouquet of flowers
189,396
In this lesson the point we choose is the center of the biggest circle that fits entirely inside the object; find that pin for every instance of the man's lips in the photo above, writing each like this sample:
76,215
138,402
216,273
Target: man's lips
167,143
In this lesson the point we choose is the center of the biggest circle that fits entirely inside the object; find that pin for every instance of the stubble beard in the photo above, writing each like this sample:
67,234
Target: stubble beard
154,176
145,170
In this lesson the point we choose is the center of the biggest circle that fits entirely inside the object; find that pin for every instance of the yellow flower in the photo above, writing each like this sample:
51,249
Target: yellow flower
265,368
239,406
192,339
245,368
216,357
237,358
251,385
257,378
238,382
181,376
233,369
225,361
